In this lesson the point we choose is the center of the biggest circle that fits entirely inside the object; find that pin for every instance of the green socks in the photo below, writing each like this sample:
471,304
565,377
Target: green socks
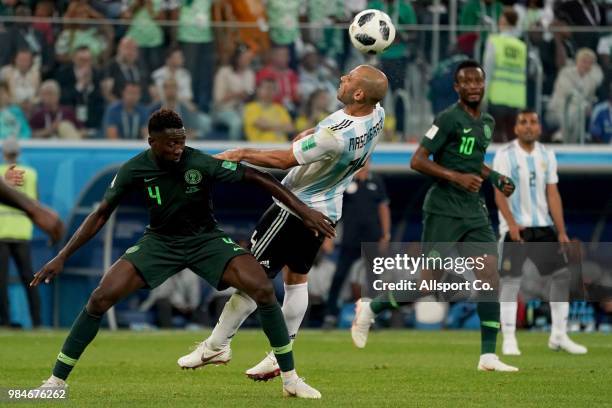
385,301
488,312
273,324
83,331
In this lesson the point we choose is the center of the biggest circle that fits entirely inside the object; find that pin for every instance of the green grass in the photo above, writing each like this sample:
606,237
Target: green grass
398,369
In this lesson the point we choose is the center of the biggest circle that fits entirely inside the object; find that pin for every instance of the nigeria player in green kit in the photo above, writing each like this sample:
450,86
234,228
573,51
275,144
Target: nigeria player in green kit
453,210
175,182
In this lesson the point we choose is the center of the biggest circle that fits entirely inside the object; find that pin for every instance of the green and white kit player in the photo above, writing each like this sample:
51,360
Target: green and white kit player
175,182
453,210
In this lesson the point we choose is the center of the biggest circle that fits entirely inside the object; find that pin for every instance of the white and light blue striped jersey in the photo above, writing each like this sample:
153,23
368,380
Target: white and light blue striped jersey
330,157
531,172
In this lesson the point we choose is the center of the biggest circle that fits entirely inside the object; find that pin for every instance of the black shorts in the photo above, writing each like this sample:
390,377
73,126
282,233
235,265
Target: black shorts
547,258
281,239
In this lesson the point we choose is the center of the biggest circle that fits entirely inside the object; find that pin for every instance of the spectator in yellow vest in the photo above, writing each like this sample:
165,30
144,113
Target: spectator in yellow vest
505,65
16,233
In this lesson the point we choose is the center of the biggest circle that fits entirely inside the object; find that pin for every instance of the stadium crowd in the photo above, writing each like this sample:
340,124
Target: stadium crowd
238,69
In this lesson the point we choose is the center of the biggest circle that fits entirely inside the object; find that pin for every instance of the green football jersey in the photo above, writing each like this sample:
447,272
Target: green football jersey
177,195
458,142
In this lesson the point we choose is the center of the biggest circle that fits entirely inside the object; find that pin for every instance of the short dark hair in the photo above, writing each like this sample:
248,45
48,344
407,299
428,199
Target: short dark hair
468,64
510,15
164,119
170,51
526,111
82,48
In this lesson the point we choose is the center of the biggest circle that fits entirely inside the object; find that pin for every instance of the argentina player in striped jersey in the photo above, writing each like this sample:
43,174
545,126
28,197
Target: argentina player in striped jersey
533,214
323,161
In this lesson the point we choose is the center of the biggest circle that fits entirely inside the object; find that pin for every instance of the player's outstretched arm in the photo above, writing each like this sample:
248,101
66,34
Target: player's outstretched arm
41,216
312,219
92,224
499,181
274,159
423,164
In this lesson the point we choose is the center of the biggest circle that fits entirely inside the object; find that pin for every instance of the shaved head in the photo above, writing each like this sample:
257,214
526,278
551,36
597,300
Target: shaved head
374,83
364,85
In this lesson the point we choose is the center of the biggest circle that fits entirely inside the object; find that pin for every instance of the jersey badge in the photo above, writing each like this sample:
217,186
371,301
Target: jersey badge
193,176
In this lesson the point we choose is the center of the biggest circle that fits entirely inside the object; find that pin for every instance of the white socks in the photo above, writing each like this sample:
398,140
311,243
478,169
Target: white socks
235,312
559,312
295,305
240,306
508,305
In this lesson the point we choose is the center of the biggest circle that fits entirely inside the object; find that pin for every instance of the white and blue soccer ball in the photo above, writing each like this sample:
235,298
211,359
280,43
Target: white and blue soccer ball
372,31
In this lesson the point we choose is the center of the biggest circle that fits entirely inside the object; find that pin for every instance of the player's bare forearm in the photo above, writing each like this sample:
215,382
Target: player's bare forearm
311,218
556,207
502,204
14,198
89,228
384,214
420,162
275,159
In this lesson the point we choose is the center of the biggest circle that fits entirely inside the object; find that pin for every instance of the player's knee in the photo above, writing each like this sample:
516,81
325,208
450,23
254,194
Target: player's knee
100,301
264,294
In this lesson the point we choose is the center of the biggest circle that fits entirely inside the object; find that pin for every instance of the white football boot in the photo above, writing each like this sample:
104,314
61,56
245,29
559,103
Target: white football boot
364,317
267,369
202,355
53,383
299,389
490,362
564,343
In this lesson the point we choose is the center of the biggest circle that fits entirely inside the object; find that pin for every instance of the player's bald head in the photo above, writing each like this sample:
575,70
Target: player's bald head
373,82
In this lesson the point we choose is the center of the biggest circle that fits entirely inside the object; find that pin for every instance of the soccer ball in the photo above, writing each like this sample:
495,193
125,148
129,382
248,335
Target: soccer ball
372,31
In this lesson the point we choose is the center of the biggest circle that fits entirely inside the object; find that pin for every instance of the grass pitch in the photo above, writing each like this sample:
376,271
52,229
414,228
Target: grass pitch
397,369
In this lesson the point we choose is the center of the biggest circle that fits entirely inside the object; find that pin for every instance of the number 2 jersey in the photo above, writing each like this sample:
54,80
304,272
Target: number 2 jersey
330,157
458,142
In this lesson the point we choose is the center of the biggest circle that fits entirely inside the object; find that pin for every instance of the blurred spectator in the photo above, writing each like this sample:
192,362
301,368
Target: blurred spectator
174,69
145,30
80,84
600,126
45,9
23,78
123,69
25,36
505,62
315,110
315,74
196,40
233,85
197,124
393,61
283,16
573,96
604,49
13,122
286,79
441,91
250,12
584,14
180,295
127,118
264,119
52,120
535,13
483,13
98,37
16,233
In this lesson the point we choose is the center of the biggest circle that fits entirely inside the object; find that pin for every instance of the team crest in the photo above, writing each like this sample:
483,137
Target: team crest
193,176
487,132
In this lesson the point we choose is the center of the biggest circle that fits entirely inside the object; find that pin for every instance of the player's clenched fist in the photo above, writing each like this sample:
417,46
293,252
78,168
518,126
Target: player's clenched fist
470,182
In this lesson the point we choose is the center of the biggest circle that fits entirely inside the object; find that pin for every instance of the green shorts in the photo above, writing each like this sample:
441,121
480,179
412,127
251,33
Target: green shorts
158,257
475,235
